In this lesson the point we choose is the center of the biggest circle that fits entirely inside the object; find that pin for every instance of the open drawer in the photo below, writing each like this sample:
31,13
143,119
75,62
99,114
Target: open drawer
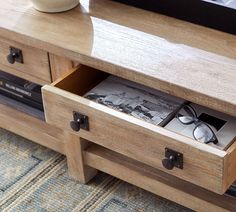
203,165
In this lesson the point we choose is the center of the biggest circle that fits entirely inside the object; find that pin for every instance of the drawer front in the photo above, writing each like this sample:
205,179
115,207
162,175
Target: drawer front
35,64
202,165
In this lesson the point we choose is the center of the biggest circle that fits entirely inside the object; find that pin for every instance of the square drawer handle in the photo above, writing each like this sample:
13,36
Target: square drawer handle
15,55
80,122
172,159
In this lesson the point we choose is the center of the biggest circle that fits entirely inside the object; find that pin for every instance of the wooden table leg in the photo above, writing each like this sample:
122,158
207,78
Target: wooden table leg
74,147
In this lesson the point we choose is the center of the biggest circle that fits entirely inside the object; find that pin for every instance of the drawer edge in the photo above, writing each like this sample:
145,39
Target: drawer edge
230,166
156,181
210,160
51,89
24,75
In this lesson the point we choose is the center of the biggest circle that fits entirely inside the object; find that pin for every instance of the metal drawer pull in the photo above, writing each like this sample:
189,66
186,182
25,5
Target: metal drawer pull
15,56
80,122
172,159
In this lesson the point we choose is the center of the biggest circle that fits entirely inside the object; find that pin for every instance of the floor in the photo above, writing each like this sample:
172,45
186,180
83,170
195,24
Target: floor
34,178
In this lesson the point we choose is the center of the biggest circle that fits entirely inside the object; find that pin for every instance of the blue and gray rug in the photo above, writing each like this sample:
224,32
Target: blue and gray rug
34,178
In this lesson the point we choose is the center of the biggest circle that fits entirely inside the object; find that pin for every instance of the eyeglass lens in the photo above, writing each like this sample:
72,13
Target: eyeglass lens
189,117
203,133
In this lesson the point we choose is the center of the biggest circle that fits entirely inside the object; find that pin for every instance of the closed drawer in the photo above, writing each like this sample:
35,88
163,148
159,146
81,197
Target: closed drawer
203,165
35,64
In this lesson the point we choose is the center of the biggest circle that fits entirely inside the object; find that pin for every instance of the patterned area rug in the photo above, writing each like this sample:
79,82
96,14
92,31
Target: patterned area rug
34,178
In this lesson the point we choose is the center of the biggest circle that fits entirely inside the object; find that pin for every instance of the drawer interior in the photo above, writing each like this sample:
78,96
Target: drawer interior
83,79
204,165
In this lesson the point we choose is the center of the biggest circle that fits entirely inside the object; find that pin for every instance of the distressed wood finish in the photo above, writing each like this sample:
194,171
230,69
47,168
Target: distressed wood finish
148,48
59,66
35,66
32,128
156,181
203,165
230,166
74,151
183,59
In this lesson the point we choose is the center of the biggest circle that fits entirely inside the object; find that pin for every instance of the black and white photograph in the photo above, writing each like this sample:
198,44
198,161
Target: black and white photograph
134,99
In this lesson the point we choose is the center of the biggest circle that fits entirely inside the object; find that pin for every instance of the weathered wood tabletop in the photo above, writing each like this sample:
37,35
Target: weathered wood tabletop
180,58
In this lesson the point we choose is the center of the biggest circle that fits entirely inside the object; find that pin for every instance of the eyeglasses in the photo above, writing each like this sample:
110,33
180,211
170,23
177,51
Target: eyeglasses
202,131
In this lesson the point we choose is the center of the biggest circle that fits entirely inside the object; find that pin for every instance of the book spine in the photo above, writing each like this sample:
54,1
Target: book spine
20,91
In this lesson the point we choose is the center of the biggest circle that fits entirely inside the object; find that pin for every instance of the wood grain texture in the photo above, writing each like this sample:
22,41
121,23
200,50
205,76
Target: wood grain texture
203,165
156,181
174,56
35,64
32,128
230,166
59,66
74,147
23,75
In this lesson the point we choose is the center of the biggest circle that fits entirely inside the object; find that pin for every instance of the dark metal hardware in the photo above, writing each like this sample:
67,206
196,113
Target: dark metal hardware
80,122
15,56
172,159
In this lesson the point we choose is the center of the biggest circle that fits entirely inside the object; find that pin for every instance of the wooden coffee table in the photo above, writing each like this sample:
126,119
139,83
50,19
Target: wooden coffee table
69,53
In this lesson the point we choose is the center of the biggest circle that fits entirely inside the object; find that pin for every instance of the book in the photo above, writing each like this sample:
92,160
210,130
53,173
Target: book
21,90
137,100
